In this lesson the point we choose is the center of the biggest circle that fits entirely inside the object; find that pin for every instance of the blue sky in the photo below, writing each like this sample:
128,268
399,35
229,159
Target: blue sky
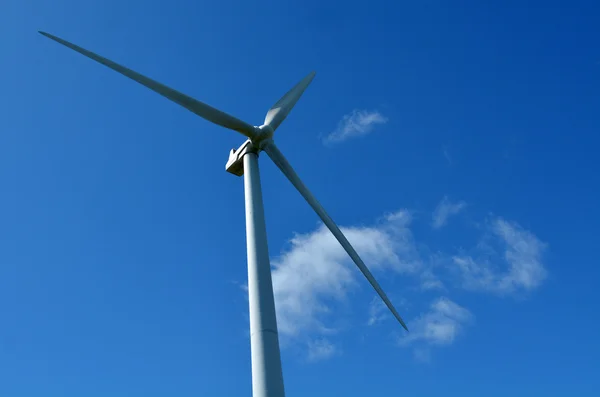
454,142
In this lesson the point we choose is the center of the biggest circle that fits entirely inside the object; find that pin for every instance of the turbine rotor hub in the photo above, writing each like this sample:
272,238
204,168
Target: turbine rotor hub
263,132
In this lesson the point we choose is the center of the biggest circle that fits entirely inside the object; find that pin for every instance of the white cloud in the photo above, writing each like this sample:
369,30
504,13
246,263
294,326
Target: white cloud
357,123
518,267
321,349
315,272
314,279
523,253
444,210
440,326
377,311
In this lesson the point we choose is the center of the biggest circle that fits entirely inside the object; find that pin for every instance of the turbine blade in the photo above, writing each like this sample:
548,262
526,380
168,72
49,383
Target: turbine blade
282,108
201,109
285,167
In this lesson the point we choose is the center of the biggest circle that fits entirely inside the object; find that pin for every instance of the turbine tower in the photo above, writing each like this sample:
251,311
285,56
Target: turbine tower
267,376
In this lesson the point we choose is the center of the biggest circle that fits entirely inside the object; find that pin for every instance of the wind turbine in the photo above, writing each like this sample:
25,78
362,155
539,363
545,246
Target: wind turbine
267,376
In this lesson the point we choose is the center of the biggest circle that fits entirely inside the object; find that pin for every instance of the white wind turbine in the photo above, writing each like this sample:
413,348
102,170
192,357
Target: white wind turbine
267,376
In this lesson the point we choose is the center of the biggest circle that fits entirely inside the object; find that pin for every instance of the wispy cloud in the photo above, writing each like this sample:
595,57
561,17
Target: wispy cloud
513,267
321,349
446,153
314,280
357,123
444,210
439,326
377,311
